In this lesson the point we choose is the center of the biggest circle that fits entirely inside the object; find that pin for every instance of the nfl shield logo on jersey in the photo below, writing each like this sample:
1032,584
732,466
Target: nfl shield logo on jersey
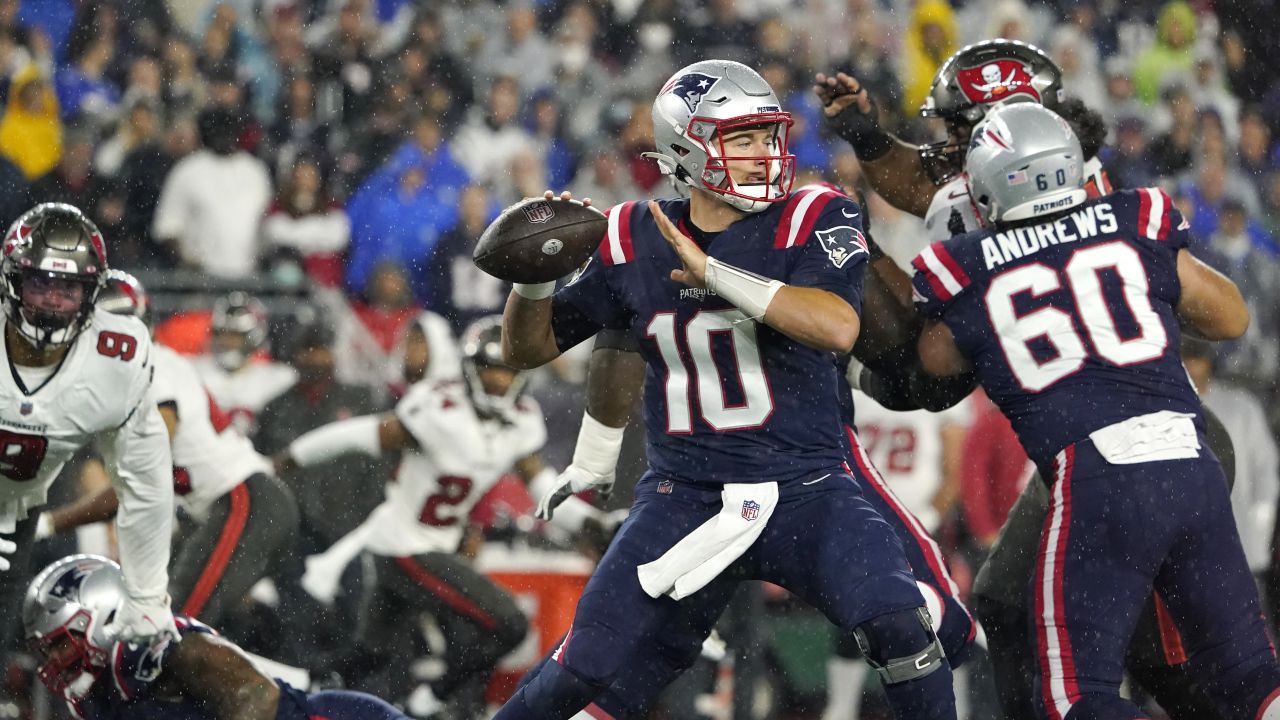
26,408
665,487
750,509
539,212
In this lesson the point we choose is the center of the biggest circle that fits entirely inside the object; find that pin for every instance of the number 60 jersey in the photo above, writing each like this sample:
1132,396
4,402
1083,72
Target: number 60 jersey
1070,323
103,386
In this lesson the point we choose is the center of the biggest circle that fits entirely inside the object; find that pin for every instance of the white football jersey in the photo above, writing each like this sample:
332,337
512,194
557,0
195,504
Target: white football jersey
906,447
101,392
953,198
210,457
243,393
459,457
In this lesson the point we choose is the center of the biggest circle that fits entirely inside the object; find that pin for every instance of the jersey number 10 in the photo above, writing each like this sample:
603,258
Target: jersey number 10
757,401
1058,327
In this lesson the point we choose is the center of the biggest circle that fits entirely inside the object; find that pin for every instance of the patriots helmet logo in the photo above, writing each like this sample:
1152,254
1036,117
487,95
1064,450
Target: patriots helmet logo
842,243
690,88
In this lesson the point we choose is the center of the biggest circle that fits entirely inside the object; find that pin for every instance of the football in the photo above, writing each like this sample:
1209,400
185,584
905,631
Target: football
538,240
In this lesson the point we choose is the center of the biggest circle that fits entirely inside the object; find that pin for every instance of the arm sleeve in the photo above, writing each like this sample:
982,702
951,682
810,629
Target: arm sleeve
585,306
835,254
171,212
137,456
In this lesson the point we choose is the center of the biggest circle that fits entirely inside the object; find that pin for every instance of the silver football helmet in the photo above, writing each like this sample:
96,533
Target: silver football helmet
64,615
1024,161
242,320
482,348
124,295
697,108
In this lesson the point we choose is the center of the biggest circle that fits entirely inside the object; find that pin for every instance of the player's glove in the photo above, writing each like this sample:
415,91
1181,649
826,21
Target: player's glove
572,481
860,128
7,547
141,620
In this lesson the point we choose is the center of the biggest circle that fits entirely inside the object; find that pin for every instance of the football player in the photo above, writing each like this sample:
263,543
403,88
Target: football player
1068,309
78,374
243,519
239,381
457,439
203,676
737,298
927,181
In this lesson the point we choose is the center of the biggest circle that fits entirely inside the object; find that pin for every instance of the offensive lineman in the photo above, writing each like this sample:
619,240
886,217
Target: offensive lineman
78,374
1068,309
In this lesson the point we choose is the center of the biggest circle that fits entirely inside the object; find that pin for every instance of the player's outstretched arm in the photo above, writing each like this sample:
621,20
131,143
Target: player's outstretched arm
368,434
212,672
893,168
818,318
939,355
1211,306
528,340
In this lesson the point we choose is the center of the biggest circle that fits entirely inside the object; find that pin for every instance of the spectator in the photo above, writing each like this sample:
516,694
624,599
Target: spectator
546,123
1214,183
305,223
1209,91
1121,102
434,73
1256,483
1170,153
457,289
1078,58
297,129
83,87
635,137
343,43
1240,250
73,181
725,34
139,126
370,329
142,176
931,39
1127,160
492,137
30,132
520,52
1255,153
1172,55
213,201
604,177
15,192
397,216
186,88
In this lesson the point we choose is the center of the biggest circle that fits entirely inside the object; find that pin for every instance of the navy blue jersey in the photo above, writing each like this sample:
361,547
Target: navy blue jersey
726,398
1070,324
125,688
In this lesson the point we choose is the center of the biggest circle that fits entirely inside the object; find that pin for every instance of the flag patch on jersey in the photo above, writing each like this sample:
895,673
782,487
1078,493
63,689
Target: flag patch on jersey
750,509
842,243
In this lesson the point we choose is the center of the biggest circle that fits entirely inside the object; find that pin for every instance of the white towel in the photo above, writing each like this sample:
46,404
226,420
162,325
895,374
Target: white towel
704,553
1163,435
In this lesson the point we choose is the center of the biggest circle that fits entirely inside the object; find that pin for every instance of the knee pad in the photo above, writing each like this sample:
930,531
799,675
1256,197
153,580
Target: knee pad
900,646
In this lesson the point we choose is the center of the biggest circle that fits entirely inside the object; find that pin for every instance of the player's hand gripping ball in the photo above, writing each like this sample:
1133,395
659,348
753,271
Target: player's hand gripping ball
540,240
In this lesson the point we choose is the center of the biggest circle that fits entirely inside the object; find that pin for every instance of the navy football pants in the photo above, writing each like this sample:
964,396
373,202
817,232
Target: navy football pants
824,543
1112,533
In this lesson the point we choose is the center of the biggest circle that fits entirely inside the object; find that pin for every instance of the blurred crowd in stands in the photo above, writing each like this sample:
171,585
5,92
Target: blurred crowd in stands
354,150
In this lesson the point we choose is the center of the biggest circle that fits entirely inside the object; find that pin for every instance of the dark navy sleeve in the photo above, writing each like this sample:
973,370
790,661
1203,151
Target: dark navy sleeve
585,306
939,278
135,667
834,256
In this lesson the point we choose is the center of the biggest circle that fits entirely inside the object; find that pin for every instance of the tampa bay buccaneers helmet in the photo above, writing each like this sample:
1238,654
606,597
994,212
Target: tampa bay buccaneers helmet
702,104
123,294
974,80
481,351
64,616
52,272
239,327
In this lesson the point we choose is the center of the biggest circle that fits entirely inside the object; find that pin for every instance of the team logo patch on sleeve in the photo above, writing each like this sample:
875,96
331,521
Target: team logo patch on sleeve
842,243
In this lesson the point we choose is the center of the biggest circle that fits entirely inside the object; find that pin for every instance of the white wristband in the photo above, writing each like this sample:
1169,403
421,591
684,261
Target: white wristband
598,446
358,434
535,291
750,292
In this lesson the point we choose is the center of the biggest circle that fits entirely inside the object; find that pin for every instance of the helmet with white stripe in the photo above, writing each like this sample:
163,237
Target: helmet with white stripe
701,106
1024,161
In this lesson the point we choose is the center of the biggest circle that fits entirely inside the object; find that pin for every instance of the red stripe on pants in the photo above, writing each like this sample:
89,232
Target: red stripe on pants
222,552
1170,638
446,592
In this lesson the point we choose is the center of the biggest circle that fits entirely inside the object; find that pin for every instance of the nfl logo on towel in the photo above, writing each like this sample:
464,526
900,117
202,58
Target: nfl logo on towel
750,509
26,408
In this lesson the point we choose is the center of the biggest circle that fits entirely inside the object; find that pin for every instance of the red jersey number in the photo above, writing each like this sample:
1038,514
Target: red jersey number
114,344
440,509
21,455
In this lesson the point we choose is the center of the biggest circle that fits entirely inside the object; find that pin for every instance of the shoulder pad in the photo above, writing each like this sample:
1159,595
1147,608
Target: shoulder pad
800,213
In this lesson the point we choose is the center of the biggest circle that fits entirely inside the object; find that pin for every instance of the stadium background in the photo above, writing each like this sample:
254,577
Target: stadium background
339,158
